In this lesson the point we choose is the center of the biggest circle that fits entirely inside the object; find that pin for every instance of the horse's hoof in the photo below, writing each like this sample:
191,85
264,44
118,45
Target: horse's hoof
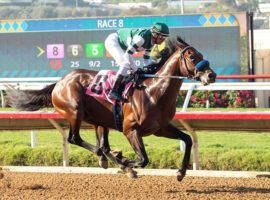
131,173
180,176
104,164
117,154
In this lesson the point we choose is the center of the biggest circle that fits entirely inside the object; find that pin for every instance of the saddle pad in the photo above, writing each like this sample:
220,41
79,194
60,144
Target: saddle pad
106,85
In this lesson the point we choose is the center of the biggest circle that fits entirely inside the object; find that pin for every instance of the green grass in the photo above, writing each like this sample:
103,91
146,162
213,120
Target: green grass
53,139
235,140
218,150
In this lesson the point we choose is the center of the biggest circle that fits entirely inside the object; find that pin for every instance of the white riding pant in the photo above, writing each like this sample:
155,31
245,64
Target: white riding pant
122,58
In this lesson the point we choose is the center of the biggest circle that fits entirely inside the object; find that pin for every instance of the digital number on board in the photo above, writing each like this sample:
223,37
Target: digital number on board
93,52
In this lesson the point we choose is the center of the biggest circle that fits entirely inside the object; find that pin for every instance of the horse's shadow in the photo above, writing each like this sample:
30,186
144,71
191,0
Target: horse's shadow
229,190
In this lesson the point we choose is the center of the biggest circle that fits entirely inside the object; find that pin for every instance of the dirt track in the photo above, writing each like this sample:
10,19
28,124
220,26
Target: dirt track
88,186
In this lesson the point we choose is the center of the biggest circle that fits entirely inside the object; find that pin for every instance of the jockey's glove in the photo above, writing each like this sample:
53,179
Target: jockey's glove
139,73
147,62
150,62
152,69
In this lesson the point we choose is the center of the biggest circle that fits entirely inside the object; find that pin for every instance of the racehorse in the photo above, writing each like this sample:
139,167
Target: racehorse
148,111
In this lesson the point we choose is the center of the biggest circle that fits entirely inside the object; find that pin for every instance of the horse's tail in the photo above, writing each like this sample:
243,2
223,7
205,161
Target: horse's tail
30,100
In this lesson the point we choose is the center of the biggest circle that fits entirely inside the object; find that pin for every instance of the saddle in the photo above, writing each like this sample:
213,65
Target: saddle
102,85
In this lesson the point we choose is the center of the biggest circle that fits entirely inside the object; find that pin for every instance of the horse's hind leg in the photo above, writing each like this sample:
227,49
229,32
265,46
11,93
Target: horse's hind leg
68,100
101,150
75,138
103,144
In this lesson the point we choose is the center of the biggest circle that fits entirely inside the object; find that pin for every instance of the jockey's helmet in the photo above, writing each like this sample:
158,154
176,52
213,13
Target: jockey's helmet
161,29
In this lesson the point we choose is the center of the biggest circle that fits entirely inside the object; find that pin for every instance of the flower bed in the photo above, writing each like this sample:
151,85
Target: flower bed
219,99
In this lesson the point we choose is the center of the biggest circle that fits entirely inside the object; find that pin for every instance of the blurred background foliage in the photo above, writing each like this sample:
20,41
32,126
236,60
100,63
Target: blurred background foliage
37,9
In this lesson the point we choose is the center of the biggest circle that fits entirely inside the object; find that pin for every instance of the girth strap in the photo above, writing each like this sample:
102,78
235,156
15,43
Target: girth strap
118,116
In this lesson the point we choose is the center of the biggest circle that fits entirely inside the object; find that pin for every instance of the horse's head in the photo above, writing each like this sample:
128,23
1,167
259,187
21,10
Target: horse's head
193,65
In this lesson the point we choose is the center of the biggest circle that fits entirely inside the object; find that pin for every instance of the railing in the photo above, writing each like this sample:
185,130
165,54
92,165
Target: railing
38,83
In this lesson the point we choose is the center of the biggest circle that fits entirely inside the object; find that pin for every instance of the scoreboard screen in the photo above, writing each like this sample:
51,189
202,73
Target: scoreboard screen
52,48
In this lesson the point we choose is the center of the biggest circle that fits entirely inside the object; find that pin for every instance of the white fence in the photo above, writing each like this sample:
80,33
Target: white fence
32,84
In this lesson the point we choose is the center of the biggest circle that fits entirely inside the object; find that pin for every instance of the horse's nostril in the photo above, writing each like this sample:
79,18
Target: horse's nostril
212,76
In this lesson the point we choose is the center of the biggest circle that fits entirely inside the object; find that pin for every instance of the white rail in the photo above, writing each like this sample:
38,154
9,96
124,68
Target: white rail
186,86
229,86
32,84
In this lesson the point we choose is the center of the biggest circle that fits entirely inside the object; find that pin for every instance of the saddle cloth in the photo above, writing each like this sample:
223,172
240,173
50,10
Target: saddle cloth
102,85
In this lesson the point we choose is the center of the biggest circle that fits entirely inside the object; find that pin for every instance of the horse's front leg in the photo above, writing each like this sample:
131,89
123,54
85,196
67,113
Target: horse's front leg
134,137
172,132
102,144
104,149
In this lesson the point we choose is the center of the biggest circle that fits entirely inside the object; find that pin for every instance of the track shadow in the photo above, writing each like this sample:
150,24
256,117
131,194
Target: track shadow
230,190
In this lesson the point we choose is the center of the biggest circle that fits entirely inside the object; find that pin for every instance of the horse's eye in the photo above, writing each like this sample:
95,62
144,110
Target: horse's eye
192,58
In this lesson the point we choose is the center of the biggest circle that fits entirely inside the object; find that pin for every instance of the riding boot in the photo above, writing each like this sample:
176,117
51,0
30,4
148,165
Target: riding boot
116,93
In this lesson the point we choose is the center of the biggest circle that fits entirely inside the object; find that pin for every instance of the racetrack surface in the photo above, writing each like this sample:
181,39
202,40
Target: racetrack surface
21,185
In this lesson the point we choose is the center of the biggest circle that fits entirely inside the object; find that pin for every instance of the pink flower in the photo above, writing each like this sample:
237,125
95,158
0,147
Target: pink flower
238,100
193,99
202,101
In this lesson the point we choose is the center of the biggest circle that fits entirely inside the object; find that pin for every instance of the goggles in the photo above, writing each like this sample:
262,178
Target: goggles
160,36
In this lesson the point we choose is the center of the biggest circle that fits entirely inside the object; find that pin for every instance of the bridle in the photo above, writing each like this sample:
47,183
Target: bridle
197,69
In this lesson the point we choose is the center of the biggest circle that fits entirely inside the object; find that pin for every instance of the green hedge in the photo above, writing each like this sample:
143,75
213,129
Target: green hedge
210,159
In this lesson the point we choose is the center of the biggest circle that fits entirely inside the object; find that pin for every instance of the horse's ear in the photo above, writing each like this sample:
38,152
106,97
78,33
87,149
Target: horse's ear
180,41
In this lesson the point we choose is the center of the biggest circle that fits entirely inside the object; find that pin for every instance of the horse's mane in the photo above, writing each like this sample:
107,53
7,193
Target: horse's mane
171,45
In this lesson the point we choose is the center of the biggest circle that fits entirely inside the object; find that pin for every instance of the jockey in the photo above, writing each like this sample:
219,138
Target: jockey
122,44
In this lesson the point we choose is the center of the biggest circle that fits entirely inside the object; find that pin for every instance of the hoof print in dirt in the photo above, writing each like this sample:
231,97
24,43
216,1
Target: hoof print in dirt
32,187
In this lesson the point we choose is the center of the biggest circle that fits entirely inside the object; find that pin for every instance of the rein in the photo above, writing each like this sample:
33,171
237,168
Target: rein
174,77
162,76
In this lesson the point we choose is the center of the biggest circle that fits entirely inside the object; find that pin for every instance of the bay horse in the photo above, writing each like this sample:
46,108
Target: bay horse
148,111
